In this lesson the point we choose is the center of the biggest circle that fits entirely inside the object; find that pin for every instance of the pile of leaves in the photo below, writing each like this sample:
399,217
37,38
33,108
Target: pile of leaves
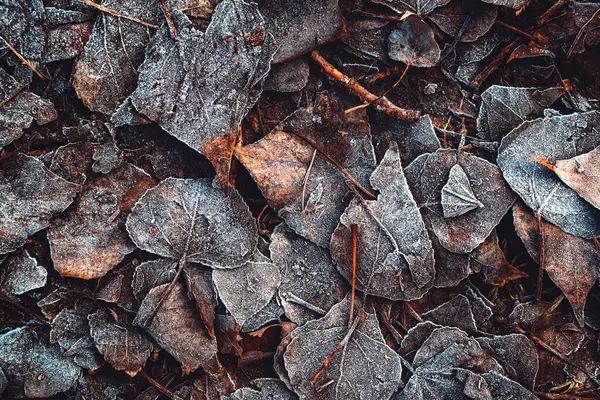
317,199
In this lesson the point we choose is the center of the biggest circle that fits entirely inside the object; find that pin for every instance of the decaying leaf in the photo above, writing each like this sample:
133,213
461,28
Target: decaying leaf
151,274
366,368
29,195
122,346
248,289
300,26
428,174
290,76
516,4
182,91
456,312
451,18
91,239
572,263
457,194
552,138
116,286
503,108
201,288
310,282
282,165
395,255
25,357
192,221
105,72
21,273
413,43
582,174
178,329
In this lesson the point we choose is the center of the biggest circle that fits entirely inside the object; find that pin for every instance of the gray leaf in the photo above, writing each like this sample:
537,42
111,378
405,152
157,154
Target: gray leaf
457,195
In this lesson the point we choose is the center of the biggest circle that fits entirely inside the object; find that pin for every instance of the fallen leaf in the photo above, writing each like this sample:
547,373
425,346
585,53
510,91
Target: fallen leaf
503,108
20,273
428,174
25,357
580,173
457,195
414,43
183,92
416,6
357,370
310,282
178,329
572,263
248,289
552,138
489,258
515,4
123,347
300,26
456,312
29,195
395,255
451,18
190,220
281,162
268,389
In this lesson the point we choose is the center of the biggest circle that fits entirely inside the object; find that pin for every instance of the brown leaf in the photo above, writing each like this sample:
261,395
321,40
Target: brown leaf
581,173
414,43
573,263
178,329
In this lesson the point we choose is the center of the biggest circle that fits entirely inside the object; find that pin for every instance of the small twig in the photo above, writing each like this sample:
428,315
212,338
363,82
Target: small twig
337,165
477,143
292,298
159,387
336,350
354,230
308,227
542,260
519,31
118,14
167,13
366,104
28,312
23,59
260,215
382,104
413,312
396,69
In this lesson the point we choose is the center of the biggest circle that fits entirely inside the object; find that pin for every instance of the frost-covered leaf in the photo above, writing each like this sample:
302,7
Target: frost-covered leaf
25,357
21,273
413,138
71,330
123,347
91,238
267,389
200,86
201,288
178,329
413,43
450,19
552,138
116,286
19,109
582,174
310,282
395,255
105,72
29,195
366,368
456,312
457,195
290,76
503,108
572,263
516,354
192,221
416,6
428,174
300,26
151,274
247,289
516,4
280,162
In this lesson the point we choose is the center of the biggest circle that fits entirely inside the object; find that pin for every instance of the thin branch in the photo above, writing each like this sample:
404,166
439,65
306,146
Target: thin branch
354,230
382,104
23,59
170,24
308,227
159,387
118,14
